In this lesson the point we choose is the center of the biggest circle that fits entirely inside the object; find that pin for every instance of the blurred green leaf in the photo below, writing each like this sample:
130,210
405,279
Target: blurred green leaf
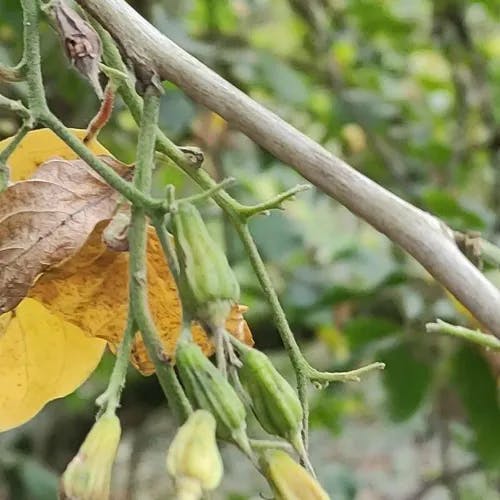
448,208
364,329
29,480
478,390
406,380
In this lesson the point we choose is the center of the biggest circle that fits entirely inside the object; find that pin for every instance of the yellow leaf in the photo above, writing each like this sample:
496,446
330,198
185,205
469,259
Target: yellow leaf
41,358
91,291
40,145
47,218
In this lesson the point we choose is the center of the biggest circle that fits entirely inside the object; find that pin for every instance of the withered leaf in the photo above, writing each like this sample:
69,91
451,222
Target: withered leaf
81,42
47,219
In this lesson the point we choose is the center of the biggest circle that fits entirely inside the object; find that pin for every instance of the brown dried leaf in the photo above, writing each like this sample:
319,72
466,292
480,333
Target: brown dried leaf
47,219
81,42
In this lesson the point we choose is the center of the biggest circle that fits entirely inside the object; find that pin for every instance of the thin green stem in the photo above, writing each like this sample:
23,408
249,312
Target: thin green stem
167,246
286,334
265,444
209,192
475,336
125,188
8,150
36,93
349,376
138,274
16,107
273,203
110,399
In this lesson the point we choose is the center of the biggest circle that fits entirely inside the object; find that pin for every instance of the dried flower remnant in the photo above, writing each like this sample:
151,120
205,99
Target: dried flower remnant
81,43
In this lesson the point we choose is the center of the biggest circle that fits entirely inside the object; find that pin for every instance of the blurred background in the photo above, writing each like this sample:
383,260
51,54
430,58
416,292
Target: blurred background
408,92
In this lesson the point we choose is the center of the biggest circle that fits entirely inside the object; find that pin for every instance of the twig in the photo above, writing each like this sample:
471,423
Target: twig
209,192
167,247
8,150
16,107
264,444
475,336
31,38
349,376
417,232
273,203
138,270
110,399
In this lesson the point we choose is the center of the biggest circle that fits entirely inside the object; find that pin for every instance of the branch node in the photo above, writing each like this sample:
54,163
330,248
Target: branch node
194,155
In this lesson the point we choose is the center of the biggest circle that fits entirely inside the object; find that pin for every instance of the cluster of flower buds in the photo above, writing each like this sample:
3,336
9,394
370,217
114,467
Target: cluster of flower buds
208,289
208,389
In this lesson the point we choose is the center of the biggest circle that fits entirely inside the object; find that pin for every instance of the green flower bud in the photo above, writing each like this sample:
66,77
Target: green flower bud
88,475
274,402
193,459
288,479
208,285
207,388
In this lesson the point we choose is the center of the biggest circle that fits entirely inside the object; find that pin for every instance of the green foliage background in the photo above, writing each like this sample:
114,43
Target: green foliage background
408,92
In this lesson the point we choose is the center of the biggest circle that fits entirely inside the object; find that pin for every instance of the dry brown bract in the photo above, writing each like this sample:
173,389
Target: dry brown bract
81,42
47,219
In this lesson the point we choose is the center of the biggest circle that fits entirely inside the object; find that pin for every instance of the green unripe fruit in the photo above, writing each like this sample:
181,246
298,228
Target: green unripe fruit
208,285
274,402
208,389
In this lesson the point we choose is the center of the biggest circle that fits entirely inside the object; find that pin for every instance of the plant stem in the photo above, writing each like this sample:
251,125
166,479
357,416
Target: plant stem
286,334
264,444
490,253
16,107
129,191
475,336
167,247
40,112
111,397
273,203
138,270
209,192
350,376
9,149
36,93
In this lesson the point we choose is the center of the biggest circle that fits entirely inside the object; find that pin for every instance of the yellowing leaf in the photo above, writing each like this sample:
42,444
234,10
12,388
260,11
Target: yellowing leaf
41,358
47,219
91,292
40,145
